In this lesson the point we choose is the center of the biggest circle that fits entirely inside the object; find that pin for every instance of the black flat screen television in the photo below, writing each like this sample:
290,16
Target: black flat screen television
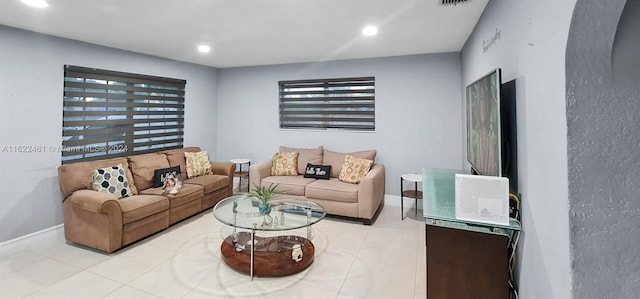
483,125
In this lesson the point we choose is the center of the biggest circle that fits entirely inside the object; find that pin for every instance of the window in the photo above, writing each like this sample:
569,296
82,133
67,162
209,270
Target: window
346,103
110,114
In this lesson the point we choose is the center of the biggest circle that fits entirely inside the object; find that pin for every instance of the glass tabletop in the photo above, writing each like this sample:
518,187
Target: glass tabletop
439,199
242,211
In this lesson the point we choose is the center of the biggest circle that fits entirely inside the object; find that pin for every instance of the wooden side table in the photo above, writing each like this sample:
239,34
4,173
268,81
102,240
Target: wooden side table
240,173
415,178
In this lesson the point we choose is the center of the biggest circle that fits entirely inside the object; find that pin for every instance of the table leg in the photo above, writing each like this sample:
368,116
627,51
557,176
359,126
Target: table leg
416,188
308,224
401,200
240,176
253,245
248,177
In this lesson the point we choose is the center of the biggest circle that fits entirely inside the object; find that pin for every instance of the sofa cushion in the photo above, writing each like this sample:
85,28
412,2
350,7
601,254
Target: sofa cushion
210,182
197,164
187,193
289,185
176,158
305,155
140,206
284,163
77,176
336,159
332,189
111,180
143,168
354,169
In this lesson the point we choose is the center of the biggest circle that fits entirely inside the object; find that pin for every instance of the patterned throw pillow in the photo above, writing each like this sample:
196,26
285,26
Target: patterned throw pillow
197,164
354,169
111,180
285,164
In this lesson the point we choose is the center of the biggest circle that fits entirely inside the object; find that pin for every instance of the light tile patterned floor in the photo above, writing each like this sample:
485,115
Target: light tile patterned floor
385,260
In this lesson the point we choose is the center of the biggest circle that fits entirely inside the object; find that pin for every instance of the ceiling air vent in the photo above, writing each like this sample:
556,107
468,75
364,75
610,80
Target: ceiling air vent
454,2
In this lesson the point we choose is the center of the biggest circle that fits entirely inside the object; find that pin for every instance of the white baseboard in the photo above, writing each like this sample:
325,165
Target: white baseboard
33,234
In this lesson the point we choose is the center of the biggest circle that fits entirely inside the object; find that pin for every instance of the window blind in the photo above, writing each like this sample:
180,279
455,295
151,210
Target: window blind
343,103
111,114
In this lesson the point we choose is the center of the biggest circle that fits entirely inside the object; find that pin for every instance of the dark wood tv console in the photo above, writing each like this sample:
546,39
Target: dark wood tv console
464,259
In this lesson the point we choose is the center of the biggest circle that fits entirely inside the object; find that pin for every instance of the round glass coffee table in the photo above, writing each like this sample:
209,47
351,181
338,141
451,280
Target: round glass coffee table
279,252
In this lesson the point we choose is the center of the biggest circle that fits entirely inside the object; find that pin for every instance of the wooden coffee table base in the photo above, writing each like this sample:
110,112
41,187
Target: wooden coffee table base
272,256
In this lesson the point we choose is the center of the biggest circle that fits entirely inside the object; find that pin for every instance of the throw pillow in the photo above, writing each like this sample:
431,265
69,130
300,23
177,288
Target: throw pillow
317,171
197,164
285,164
111,180
354,169
335,159
160,175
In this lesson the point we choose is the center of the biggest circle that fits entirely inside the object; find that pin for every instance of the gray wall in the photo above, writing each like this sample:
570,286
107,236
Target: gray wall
418,119
603,118
31,82
530,48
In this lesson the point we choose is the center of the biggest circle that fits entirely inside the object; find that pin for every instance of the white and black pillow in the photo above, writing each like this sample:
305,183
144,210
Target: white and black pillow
317,171
111,180
160,175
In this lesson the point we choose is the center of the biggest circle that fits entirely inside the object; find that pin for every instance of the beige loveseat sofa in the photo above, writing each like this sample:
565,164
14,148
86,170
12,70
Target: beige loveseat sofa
104,222
362,201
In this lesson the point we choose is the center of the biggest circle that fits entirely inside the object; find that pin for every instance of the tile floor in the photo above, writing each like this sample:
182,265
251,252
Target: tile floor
385,260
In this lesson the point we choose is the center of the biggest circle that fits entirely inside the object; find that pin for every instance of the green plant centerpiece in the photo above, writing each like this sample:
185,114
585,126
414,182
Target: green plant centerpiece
264,194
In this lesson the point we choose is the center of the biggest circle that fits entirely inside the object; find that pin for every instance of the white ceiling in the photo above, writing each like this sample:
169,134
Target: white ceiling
254,32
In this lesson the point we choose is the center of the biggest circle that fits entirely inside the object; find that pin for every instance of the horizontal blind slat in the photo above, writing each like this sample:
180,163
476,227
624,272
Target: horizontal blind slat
332,99
125,88
128,104
311,112
126,96
324,119
93,132
330,80
117,122
327,106
119,112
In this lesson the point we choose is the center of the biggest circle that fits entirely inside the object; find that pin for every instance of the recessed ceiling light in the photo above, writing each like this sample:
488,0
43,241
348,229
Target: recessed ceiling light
370,30
204,48
36,3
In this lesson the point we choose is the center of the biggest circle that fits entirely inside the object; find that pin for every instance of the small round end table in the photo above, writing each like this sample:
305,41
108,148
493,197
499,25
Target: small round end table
411,177
241,174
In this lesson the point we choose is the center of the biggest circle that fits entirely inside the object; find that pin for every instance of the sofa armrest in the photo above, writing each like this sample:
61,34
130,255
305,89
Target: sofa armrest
93,219
223,168
227,169
259,171
94,201
371,192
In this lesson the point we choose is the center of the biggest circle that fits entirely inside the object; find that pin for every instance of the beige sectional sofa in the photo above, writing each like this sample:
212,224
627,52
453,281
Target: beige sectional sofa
104,222
362,201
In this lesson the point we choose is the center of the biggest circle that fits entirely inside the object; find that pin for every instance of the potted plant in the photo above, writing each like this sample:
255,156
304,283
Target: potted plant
264,194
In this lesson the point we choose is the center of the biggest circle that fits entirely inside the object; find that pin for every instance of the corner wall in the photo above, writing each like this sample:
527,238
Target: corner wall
31,89
527,40
603,118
